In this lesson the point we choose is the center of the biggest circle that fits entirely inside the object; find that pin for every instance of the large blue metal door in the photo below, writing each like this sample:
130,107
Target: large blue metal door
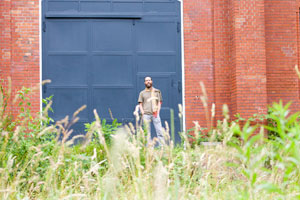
97,53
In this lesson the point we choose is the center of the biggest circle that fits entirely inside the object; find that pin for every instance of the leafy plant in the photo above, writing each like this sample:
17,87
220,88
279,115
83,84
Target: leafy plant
107,129
6,117
34,164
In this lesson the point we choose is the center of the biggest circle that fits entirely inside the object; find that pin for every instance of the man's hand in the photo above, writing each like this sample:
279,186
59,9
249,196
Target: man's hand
141,108
156,114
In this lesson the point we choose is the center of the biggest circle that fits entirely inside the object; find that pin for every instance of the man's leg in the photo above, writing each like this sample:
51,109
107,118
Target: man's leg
147,124
158,129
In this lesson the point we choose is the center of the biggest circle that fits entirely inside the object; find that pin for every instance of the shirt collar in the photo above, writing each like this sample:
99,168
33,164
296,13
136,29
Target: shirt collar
146,89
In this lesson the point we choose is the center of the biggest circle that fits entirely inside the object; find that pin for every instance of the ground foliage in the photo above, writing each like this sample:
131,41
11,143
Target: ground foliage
39,159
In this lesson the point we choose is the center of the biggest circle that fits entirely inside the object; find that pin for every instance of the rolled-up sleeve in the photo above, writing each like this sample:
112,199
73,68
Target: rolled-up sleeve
140,100
160,99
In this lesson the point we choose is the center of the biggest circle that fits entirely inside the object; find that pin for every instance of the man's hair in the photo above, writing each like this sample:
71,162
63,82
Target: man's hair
147,77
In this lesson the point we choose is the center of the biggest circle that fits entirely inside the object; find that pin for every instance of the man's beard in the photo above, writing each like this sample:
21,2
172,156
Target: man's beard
148,85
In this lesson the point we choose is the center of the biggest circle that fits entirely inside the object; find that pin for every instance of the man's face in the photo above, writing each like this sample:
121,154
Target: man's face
148,82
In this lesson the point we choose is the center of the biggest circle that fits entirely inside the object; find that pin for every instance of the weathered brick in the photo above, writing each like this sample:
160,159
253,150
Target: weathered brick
20,44
243,51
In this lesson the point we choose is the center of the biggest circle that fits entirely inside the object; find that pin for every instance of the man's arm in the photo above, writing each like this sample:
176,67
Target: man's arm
141,108
140,100
159,107
159,103
155,114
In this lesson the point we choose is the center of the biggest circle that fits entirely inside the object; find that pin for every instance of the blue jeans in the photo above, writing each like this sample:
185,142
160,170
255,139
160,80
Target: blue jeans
157,125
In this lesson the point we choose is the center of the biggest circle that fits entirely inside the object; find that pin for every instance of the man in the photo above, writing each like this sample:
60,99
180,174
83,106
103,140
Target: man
150,100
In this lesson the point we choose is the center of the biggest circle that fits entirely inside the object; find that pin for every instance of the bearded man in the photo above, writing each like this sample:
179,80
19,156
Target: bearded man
150,100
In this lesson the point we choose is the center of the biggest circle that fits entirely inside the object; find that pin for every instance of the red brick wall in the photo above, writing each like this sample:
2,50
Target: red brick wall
248,58
5,40
222,44
20,45
199,66
281,51
243,51
252,49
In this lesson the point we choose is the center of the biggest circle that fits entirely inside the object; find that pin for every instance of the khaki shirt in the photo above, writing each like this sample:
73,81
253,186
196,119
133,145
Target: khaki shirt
149,104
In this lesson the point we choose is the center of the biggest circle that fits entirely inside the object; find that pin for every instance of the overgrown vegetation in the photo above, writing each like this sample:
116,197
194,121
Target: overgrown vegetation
38,160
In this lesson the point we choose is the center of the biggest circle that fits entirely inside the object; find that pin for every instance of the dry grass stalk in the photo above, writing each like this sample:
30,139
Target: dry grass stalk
131,169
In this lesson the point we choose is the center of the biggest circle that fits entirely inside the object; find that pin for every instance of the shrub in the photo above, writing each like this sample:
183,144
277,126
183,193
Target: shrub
114,162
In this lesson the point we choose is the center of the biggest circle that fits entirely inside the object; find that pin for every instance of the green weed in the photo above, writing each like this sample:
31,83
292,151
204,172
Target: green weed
38,160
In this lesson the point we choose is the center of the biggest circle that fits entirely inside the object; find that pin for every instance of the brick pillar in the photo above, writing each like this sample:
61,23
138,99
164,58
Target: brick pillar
198,47
25,68
222,56
5,40
248,57
281,45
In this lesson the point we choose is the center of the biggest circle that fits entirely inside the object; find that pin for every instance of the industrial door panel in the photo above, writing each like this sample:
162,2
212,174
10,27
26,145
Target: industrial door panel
156,36
95,6
62,6
67,70
157,57
97,53
163,7
156,63
111,35
115,101
67,100
67,36
112,70
128,6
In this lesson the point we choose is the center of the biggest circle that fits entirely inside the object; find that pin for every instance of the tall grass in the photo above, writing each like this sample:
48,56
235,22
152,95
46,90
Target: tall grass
246,165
